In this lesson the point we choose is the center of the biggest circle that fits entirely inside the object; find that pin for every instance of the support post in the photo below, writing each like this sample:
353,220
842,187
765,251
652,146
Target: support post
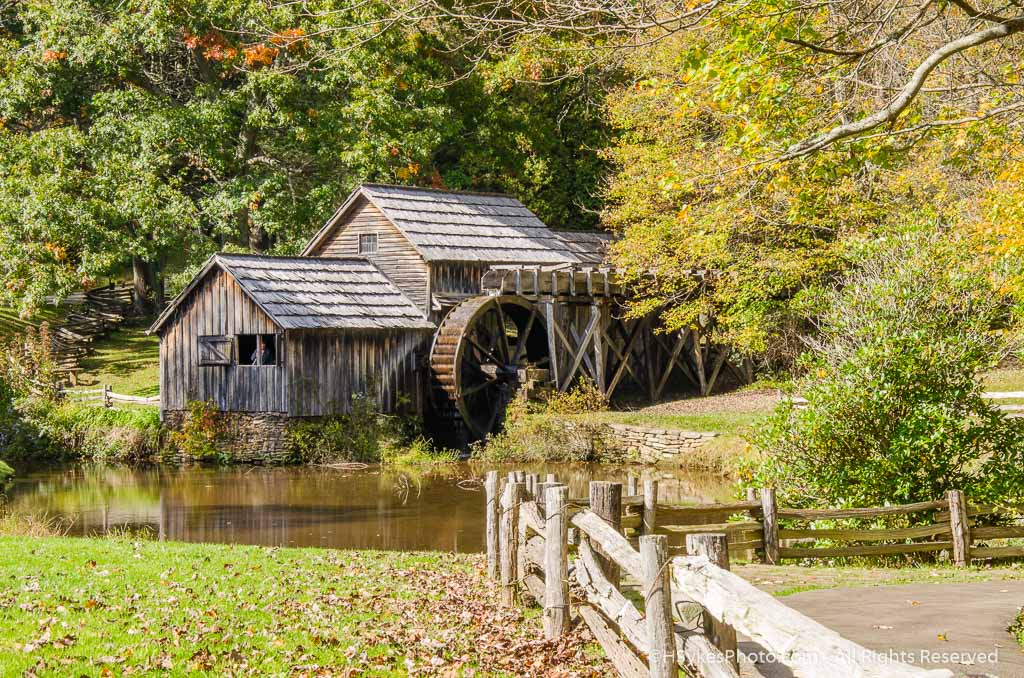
606,503
716,548
531,485
650,506
556,562
509,528
959,527
751,494
107,402
491,511
551,478
661,658
771,525
631,486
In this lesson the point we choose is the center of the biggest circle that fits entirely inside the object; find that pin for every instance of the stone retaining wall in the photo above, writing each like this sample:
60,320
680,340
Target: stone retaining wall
250,437
642,444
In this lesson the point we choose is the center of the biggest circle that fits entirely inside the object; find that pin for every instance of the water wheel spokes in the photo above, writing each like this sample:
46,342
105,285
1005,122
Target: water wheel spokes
480,354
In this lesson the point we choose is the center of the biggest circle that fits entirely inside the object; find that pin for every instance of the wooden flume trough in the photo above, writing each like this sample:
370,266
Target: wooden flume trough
546,546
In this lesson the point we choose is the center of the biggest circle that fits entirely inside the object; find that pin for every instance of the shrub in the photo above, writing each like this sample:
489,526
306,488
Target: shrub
27,379
584,397
531,434
361,435
202,433
130,434
895,411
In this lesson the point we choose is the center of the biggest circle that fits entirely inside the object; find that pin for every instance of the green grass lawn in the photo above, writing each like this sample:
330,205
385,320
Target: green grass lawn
784,580
128,359
723,422
92,607
1005,379
11,321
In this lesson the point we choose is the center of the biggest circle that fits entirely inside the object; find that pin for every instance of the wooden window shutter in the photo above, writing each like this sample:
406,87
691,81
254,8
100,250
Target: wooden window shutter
215,349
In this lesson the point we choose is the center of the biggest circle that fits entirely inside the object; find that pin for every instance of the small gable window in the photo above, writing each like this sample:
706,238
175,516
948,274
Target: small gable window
257,349
367,243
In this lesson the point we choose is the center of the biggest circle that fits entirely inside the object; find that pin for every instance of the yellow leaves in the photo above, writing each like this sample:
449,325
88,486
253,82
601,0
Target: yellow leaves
410,170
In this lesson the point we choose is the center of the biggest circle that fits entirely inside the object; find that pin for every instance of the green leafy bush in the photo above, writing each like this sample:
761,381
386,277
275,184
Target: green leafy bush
530,433
894,410
202,434
361,435
582,398
70,429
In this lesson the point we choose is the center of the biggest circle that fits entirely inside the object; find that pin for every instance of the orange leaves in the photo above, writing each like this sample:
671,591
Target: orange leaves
212,45
52,55
290,39
260,55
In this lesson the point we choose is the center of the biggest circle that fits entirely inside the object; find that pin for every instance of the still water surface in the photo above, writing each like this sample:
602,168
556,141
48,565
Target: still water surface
376,507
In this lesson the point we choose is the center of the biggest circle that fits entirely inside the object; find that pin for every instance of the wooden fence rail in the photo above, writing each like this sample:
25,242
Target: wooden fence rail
542,545
106,397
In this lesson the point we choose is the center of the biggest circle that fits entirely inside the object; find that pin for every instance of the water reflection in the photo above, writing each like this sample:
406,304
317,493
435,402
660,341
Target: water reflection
305,506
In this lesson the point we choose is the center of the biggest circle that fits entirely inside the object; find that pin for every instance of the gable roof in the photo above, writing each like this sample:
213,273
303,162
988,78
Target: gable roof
460,226
313,292
590,247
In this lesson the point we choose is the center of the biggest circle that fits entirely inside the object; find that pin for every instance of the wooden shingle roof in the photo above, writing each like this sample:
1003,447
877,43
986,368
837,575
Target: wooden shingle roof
314,292
461,226
590,247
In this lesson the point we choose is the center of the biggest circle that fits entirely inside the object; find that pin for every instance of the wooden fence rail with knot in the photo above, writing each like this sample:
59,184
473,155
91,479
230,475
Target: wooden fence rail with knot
683,611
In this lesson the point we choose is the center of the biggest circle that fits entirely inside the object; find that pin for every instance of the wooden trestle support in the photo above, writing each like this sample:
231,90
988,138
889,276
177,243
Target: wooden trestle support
552,327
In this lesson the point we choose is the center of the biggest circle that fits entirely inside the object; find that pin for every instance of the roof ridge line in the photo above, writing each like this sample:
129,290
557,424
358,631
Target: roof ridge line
431,189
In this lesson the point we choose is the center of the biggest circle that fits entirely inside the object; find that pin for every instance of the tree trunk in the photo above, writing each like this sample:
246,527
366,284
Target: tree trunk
143,277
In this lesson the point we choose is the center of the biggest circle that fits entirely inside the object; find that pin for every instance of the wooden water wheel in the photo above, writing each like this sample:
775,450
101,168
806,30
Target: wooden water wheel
480,358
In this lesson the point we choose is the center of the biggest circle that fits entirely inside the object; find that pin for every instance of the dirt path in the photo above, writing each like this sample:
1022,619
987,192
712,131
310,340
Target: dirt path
960,627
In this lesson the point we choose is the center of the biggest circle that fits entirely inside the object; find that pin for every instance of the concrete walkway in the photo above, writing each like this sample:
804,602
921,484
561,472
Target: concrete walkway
961,627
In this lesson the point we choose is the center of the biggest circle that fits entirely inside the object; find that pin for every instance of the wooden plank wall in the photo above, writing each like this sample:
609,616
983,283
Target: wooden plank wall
327,367
449,277
218,306
396,256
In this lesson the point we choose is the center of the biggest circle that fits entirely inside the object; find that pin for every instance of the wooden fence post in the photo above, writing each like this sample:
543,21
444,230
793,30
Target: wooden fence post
751,494
509,537
631,486
107,402
491,487
650,506
771,525
606,503
532,479
716,548
959,527
556,561
661,656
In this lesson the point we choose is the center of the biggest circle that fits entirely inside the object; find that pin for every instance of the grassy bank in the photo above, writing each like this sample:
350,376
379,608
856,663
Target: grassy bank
128,360
784,580
95,606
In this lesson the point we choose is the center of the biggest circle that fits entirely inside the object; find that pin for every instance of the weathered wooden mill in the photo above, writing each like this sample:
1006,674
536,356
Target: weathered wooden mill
436,302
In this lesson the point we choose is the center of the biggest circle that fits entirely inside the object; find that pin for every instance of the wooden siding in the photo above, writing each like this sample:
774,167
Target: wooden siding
326,368
395,256
218,306
456,278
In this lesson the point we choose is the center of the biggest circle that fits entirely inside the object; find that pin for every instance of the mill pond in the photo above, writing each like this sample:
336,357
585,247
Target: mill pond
371,508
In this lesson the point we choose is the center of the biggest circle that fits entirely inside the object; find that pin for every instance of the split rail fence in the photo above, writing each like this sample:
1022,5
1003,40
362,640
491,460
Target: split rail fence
543,545
106,397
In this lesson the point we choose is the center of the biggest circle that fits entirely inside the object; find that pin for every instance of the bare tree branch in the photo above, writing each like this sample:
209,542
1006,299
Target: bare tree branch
910,90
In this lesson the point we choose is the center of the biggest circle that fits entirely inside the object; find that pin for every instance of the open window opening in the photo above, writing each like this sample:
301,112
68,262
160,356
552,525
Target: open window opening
257,349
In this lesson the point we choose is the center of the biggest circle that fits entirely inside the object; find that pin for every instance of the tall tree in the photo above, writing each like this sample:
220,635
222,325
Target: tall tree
144,135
